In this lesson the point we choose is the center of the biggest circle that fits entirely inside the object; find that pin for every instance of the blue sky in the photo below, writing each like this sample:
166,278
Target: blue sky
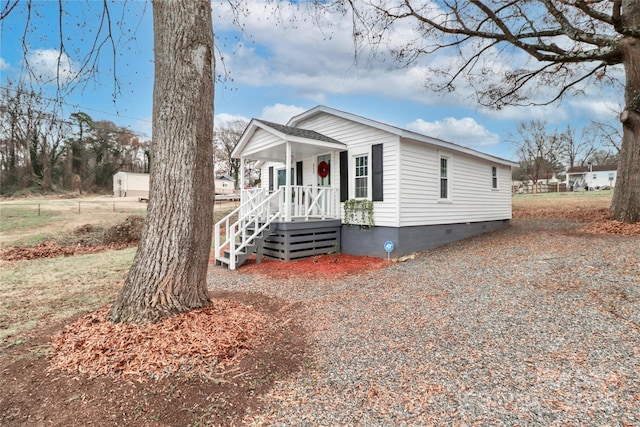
275,69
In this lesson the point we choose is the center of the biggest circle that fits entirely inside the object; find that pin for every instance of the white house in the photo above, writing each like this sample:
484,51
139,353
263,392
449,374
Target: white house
131,184
224,184
592,177
421,191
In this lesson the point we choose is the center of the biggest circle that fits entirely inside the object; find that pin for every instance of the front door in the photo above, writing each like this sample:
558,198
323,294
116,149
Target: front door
324,170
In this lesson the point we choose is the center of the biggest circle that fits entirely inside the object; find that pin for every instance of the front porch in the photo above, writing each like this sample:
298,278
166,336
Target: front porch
297,211
290,223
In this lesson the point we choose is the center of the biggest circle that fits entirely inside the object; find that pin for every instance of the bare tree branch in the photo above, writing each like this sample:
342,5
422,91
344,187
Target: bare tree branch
8,7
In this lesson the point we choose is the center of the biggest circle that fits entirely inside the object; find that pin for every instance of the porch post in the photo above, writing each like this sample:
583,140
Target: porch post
241,174
287,188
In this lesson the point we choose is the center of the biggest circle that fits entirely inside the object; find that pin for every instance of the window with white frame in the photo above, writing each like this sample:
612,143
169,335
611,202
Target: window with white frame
444,178
494,177
362,177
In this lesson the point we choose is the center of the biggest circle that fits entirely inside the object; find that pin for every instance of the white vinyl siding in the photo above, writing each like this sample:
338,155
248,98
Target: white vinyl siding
471,199
359,139
260,139
601,178
411,176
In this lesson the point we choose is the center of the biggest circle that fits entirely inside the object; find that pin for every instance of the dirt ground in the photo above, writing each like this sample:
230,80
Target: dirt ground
104,393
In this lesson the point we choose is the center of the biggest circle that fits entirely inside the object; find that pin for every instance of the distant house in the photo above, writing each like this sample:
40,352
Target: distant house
336,181
225,184
592,177
131,184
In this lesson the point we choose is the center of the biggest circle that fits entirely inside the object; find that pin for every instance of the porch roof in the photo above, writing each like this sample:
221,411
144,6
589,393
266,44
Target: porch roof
305,142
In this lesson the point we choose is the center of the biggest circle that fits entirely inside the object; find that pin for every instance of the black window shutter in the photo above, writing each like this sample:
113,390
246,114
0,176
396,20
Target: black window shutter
344,176
376,172
270,179
299,173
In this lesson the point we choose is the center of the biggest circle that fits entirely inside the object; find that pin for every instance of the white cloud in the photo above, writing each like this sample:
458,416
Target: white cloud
283,47
223,118
280,113
555,113
50,66
4,65
601,110
465,131
314,62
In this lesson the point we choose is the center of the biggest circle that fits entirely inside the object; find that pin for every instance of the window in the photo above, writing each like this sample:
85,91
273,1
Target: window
494,177
362,177
282,178
444,178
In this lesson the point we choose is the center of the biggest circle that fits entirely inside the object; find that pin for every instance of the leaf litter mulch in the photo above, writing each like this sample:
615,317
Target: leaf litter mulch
205,367
598,221
87,239
195,344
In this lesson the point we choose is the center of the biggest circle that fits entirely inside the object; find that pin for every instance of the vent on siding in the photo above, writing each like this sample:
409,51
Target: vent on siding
448,231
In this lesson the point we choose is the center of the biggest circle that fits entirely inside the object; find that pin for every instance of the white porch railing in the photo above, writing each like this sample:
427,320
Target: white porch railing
312,202
238,235
259,209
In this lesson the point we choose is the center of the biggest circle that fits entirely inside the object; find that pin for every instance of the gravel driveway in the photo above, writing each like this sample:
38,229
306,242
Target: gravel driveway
538,324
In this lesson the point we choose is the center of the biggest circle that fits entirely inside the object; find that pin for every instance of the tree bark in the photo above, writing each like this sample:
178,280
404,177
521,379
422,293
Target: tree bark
626,197
168,275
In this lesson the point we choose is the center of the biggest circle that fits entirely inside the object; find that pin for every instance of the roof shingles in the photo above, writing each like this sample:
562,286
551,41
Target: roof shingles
302,133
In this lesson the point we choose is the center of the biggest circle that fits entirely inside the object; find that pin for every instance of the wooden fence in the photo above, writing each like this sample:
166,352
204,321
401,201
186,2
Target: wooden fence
540,187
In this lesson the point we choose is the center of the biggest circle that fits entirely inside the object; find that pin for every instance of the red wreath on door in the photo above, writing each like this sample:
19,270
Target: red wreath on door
323,169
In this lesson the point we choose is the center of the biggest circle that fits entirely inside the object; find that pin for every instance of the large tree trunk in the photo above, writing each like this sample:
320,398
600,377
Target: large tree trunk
168,275
626,197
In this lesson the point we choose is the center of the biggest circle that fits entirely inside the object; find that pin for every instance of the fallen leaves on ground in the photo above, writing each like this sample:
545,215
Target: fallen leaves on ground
194,344
572,213
612,226
52,249
599,219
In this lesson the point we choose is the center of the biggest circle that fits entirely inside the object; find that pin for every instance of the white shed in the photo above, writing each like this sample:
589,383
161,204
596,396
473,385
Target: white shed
421,191
131,184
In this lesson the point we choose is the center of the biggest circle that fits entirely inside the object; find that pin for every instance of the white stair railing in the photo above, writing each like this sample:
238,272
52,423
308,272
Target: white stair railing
250,198
237,236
